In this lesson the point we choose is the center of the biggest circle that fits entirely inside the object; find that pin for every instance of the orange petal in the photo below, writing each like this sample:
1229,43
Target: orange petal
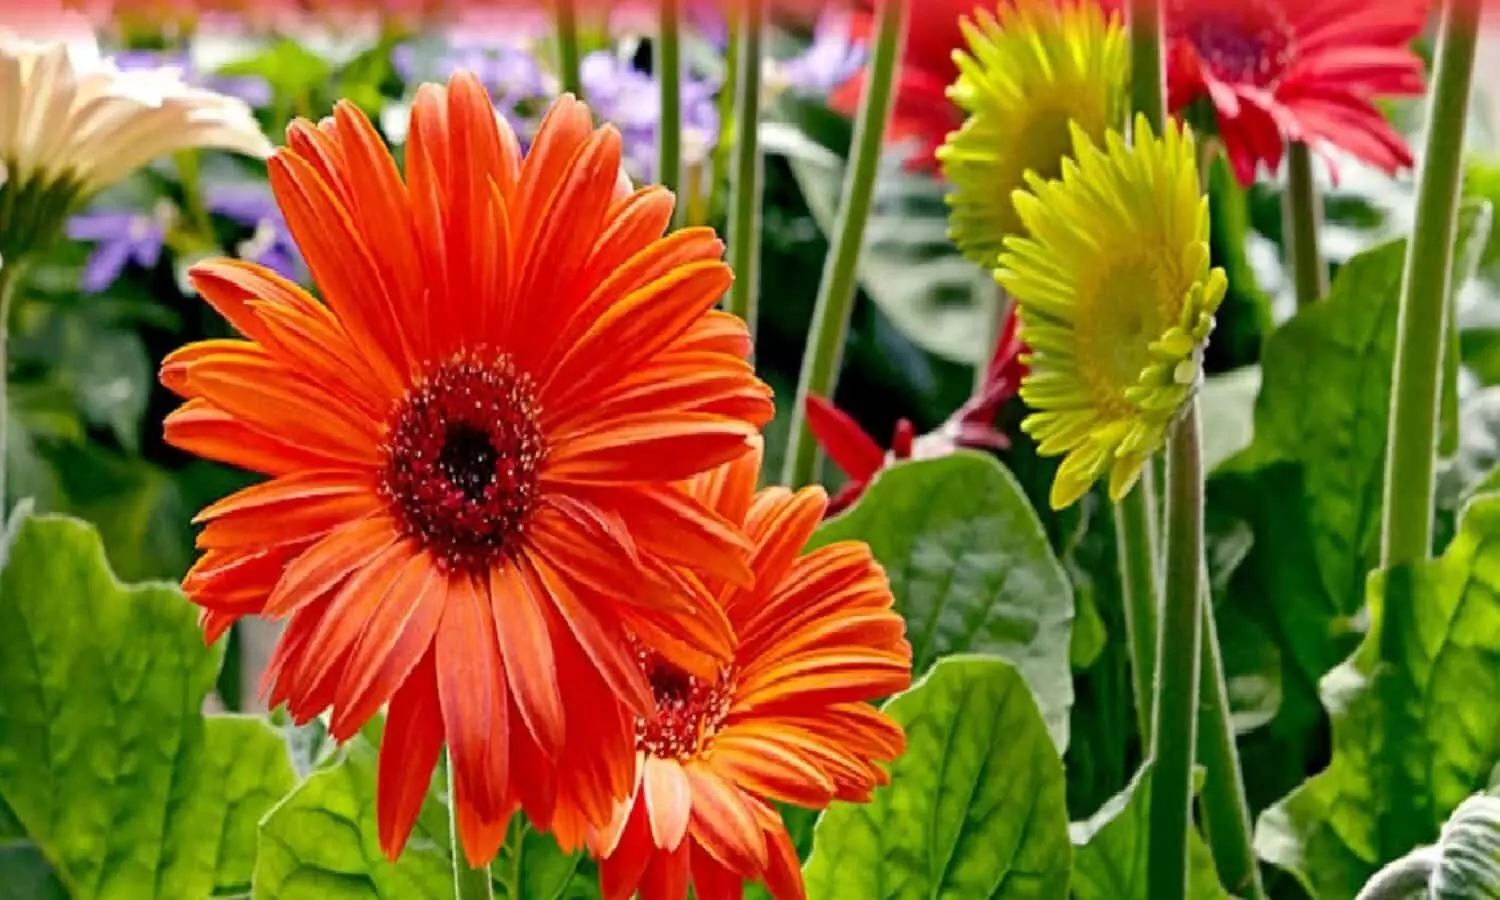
200,428
474,696
408,754
666,877
517,601
769,768
649,447
396,636
621,871
668,799
723,822
329,562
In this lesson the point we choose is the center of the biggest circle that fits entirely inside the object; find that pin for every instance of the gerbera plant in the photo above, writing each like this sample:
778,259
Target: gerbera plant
471,453
1116,327
461,486
1032,71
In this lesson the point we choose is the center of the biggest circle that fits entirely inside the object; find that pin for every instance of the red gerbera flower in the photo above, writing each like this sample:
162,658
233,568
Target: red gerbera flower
473,452
786,720
1297,70
972,426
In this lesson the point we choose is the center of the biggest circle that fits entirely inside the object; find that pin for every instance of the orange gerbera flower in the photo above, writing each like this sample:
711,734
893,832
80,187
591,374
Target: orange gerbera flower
474,451
786,720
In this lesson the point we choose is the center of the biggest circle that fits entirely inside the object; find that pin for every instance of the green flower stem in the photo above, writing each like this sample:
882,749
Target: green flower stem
1147,89
830,322
669,75
726,104
1407,877
10,277
1174,736
1406,533
468,883
567,48
1302,223
1136,547
744,203
1226,811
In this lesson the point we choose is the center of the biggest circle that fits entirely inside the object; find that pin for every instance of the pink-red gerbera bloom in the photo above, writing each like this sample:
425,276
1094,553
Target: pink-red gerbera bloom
1276,71
474,447
788,719
972,426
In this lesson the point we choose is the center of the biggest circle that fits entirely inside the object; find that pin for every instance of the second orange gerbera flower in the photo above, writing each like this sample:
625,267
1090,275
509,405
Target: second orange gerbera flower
787,720
473,452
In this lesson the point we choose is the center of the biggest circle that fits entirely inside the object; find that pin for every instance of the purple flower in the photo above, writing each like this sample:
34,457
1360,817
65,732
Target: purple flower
504,63
119,238
831,59
630,99
270,242
252,89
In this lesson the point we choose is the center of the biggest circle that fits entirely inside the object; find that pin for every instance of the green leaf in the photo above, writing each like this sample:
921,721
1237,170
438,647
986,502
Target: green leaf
975,807
322,843
1109,850
106,759
1413,718
1310,487
971,570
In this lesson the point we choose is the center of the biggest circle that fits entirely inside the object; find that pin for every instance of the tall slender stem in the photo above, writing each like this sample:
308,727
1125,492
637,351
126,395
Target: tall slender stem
668,59
568,57
1177,664
1147,89
10,277
1226,811
1406,533
744,203
1302,223
830,323
468,883
1136,548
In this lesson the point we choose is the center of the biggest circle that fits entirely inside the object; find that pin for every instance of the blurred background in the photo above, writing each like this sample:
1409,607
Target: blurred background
94,321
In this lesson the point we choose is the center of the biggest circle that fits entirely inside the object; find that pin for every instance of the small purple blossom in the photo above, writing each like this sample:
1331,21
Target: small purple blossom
832,58
252,89
270,242
630,99
120,237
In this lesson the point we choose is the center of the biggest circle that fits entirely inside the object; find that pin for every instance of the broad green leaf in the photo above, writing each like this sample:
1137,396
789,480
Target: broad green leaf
1414,713
971,570
106,759
1109,850
974,809
1310,487
322,843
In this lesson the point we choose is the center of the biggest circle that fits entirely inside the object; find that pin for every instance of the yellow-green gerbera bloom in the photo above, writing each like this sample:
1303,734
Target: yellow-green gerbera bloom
1116,301
1034,69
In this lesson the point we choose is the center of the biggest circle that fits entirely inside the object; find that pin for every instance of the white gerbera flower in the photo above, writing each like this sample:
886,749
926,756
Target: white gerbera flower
71,122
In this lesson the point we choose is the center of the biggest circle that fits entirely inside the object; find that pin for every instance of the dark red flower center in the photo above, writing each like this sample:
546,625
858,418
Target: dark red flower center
688,710
1248,43
463,459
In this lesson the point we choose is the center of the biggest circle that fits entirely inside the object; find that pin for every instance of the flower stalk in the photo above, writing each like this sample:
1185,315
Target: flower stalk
836,288
1416,379
744,202
469,883
10,277
1302,224
568,56
669,75
1178,657
1136,548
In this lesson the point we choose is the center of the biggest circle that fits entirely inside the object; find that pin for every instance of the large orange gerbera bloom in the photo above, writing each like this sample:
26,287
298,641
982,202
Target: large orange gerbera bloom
474,451
786,720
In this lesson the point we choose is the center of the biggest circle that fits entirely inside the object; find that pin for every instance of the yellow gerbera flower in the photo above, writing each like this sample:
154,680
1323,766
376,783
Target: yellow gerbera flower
1116,301
1034,69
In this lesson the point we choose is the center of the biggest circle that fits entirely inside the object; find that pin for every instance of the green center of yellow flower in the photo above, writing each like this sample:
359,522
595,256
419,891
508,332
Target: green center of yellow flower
1120,312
